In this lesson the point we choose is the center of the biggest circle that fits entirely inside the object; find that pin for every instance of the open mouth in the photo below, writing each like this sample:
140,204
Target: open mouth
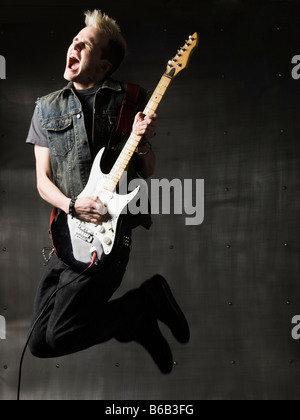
74,63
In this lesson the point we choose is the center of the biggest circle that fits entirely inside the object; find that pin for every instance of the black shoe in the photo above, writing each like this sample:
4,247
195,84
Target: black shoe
150,337
166,309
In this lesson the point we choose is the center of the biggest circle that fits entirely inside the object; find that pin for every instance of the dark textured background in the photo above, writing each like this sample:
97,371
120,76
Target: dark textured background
232,119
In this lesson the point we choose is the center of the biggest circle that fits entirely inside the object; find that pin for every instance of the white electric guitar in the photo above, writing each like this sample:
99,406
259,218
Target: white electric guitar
79,243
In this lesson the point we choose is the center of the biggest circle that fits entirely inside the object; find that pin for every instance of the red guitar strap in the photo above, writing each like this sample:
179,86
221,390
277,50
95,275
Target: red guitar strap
52,218
128,109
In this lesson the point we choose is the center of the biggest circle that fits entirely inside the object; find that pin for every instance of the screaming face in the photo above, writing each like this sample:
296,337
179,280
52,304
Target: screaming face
85,66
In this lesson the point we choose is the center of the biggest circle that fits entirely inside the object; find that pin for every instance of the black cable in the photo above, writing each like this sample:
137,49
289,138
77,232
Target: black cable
37,320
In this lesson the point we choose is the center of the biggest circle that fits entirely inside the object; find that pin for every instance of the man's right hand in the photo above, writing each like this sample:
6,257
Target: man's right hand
90,209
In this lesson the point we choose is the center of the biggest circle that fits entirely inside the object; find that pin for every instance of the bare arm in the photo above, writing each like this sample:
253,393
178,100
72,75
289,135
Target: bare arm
46,188
87,209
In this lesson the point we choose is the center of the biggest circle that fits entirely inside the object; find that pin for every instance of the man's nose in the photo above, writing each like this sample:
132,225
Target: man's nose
78,45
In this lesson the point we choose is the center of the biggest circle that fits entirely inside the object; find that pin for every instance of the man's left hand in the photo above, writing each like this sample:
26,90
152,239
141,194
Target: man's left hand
145,125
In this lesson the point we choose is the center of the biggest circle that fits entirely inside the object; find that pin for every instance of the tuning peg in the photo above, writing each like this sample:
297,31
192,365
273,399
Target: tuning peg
191,38
170,64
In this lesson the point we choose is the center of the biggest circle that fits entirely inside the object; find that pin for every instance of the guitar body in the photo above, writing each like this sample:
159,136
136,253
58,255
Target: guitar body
75,241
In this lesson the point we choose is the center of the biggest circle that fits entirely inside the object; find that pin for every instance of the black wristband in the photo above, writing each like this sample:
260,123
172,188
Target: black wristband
72,207
138,152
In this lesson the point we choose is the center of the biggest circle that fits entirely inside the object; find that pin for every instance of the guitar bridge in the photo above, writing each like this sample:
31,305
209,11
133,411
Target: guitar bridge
85,234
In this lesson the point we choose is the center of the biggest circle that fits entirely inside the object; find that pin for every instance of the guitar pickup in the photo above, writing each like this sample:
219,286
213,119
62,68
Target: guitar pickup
84,234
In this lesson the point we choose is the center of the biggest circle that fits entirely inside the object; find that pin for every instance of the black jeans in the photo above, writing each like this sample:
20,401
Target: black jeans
81,314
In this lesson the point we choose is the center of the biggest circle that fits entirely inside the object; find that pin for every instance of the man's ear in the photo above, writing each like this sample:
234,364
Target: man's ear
104,66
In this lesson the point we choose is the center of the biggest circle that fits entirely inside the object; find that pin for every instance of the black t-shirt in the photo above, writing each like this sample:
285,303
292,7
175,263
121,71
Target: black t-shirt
87,97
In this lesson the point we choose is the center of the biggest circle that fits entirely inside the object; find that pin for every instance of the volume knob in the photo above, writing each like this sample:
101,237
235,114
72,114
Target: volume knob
107,241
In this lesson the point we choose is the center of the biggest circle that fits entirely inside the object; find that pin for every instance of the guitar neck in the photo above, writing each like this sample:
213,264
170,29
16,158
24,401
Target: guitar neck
158,94
132,143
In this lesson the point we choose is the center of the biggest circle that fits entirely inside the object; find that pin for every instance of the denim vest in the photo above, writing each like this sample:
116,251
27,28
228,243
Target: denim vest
71,158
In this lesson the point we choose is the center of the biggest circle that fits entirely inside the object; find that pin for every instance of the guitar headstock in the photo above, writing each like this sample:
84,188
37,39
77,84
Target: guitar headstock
182,58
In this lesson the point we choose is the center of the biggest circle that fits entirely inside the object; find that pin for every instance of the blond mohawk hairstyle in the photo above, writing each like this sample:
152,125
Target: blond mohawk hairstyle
117,48
101,21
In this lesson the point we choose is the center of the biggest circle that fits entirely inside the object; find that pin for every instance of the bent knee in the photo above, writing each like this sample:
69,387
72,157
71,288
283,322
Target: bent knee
58,343
42,347
39,349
